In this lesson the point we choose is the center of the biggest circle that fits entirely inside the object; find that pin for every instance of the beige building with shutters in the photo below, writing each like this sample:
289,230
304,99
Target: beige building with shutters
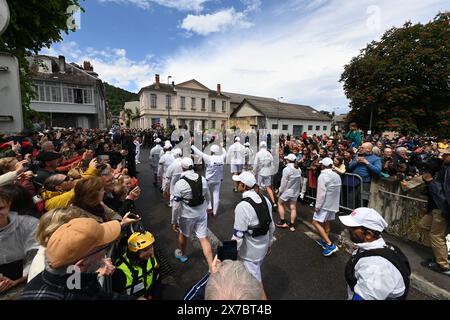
189,104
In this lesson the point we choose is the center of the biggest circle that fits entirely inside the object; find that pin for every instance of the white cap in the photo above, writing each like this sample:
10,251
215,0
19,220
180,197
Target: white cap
263,144
326,162
167,145
158,140
237,139
365,217
291,157
246,178
177,152
215,148
186,163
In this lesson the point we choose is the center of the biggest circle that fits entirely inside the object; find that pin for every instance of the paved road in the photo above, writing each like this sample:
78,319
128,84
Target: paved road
295,270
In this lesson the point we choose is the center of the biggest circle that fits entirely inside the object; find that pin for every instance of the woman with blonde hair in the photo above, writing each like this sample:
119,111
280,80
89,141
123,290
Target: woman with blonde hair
48,224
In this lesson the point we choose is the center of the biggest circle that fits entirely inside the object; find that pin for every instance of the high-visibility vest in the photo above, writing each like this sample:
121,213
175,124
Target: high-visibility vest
139,280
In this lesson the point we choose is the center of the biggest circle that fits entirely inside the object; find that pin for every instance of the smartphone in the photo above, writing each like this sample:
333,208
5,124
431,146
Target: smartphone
133,216
227,251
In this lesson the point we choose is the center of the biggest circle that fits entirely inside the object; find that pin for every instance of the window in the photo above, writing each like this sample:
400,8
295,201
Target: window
168,102
324,128
310,128
224,106
153,101
77,96
193,103
285,127
203,104
183,103
56,94
213,124
87,96
275,127
213,105
317,128
67,95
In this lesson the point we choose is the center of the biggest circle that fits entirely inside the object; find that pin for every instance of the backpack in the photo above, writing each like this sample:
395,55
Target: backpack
197,191
262,211
391,253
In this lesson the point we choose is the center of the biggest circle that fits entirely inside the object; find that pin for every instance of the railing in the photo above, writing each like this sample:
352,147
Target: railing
353,194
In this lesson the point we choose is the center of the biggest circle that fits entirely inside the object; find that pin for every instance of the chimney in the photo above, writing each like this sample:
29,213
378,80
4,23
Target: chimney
62,64
219,89
157,81
87,66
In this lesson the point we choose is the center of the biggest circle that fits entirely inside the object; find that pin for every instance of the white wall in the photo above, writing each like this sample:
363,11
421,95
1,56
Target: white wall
10,98
305,123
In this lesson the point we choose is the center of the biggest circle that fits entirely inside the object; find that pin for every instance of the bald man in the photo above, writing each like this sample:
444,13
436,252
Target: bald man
366,165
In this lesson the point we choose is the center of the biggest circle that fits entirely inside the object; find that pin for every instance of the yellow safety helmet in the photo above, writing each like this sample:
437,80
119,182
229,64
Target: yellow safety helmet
138,241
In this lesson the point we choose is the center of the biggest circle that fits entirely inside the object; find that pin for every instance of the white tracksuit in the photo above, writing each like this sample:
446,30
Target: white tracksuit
213,174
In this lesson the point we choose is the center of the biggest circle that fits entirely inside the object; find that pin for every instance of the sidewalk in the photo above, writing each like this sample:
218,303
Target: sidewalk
426,281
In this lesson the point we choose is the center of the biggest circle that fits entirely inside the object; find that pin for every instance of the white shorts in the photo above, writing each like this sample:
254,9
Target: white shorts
254,268
288,198
199,225
324,216
236,168
264,181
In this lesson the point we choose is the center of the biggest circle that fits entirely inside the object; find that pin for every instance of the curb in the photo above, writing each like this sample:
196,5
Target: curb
417,282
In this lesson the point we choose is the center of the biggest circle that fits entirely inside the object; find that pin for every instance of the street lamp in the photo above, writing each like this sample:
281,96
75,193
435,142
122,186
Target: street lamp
168,104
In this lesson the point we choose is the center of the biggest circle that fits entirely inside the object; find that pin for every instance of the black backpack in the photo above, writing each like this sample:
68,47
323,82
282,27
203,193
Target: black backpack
197,191
391,253
262,211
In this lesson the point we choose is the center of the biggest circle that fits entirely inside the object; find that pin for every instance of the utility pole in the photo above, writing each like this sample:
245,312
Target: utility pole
168,107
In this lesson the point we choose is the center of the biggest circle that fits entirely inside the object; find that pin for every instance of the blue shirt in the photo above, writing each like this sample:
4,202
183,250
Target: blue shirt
366,171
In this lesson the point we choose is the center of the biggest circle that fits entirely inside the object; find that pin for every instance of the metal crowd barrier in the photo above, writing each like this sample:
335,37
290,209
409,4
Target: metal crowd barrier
352,192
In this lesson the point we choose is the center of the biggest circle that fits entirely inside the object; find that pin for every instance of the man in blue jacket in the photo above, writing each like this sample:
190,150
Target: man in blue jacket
366,165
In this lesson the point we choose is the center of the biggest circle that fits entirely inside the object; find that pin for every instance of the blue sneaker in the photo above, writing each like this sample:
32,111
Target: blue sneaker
321,243
179,255
330,249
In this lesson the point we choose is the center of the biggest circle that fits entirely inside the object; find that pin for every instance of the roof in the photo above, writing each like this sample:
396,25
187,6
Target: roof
237,98
73,74
162,87
271,108
132,105
341,118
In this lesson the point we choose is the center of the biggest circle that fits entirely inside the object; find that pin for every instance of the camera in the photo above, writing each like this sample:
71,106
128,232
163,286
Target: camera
227,251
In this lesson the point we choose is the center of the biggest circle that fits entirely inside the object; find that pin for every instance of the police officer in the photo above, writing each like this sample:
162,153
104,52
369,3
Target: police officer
137,270
253,224
214,172
263,170
377,270
291,183
172,175
154,159
189,211
236,158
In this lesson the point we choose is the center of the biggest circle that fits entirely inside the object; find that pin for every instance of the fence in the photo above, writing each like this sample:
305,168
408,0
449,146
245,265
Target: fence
354,193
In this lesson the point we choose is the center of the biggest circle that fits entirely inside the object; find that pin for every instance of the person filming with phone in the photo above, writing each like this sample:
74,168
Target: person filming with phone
366,164
253,224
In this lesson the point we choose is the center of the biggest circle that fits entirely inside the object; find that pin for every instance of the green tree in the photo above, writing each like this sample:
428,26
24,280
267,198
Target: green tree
34,24
404,79
117,97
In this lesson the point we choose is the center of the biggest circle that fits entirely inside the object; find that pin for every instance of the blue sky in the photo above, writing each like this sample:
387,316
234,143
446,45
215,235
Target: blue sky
294,49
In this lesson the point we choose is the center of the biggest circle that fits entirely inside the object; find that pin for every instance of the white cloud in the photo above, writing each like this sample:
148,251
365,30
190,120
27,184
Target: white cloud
216,22
182,5
295,54
112,64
